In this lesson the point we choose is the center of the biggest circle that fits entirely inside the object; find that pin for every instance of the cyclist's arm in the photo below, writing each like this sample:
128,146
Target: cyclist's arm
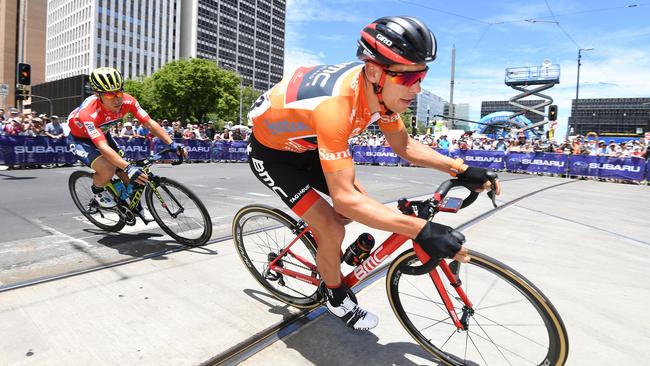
111,155
353,204
158,131
416,152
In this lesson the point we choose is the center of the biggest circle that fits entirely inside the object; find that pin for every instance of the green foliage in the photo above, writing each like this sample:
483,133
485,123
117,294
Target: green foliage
187,90
249,95
140,89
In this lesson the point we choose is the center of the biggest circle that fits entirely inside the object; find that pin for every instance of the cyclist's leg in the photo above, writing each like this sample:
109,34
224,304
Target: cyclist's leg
316,178
293,177
329,231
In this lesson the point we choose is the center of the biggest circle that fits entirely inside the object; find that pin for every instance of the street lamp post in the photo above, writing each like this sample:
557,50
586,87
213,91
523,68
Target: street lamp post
577,88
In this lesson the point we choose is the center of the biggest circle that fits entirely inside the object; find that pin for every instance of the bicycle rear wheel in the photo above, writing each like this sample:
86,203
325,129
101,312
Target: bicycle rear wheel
260,234
513,323
179,212
104,218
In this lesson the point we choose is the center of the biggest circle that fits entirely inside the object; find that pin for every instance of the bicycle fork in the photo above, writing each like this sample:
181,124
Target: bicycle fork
451,273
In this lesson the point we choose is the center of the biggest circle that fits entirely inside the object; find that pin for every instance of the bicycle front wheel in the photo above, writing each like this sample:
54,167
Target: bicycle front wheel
79,185
179,212
511,321
262,233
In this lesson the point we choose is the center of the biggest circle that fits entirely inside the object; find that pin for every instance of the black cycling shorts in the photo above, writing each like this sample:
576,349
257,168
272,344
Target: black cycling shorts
292,176
86,151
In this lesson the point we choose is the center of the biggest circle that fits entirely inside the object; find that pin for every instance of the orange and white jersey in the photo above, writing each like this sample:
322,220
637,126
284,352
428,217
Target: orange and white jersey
318,107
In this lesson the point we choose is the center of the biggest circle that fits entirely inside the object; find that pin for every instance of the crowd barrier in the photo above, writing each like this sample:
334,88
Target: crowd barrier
24,150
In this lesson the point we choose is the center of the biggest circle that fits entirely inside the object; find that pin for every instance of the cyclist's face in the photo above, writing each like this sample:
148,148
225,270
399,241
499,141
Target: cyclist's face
112,101
398,94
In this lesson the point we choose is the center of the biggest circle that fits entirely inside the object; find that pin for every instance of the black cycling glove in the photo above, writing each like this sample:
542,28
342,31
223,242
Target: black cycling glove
133,172
439,241
477,175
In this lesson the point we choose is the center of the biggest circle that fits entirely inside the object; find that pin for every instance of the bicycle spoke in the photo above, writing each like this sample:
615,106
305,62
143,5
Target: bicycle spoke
501,347
511,330
487,292
501,304
477,350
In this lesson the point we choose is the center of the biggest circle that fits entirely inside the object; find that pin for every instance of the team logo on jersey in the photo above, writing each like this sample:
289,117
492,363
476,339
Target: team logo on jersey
92,130
258,165
336,155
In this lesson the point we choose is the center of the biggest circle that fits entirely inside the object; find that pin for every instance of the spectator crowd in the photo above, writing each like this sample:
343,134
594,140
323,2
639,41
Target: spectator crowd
14,123
578,145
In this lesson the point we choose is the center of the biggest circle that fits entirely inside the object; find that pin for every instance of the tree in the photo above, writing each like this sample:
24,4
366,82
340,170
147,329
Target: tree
140,89
249,95
193,88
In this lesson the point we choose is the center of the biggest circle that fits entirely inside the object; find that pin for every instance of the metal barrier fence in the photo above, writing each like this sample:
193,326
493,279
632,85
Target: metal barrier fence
24,150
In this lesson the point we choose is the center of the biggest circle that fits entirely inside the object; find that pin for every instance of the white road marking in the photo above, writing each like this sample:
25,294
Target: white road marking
237,198
259,194
60,235
416,182
220,189
200,185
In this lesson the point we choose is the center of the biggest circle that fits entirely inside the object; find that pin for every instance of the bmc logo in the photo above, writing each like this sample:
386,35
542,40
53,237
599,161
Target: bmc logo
266,178
384,40
369,264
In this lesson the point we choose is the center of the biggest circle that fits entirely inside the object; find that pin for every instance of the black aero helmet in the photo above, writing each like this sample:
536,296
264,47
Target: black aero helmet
397,40
106,79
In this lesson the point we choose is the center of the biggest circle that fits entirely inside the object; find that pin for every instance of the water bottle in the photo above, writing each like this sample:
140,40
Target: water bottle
123,192
358,251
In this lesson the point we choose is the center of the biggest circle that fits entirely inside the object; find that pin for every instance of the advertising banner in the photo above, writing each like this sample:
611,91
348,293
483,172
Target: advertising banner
18,150
483,158
537,162
621,168
134,148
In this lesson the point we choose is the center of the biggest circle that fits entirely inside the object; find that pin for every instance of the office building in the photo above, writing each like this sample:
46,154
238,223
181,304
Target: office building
246,36
135,37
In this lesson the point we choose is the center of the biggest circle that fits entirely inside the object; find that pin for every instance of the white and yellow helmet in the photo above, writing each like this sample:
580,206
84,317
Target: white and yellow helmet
106,79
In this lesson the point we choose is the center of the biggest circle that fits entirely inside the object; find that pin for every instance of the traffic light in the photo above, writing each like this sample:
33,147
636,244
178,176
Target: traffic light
22,94
414,121
24,74
552,112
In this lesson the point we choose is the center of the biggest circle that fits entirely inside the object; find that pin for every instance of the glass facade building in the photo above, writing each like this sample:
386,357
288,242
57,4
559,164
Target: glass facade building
246,36
136,37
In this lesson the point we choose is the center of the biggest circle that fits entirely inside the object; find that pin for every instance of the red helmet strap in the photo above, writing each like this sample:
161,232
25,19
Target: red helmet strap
377,88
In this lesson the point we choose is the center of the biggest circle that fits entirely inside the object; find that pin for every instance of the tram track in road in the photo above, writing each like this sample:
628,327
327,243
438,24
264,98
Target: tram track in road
295,322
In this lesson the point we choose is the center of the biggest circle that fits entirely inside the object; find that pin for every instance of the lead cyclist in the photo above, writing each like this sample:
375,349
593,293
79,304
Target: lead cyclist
91,141
299,144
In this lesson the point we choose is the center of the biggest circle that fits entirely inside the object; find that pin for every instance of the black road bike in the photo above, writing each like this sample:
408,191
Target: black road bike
176,209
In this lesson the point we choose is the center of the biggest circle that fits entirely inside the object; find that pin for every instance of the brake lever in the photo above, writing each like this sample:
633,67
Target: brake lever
492,192
493,197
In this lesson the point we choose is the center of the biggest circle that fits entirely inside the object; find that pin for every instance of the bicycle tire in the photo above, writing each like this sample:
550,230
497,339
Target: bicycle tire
275,223
72,184
202,233
551,327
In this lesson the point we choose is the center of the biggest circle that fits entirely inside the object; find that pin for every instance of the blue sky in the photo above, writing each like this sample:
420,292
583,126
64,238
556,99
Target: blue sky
491,36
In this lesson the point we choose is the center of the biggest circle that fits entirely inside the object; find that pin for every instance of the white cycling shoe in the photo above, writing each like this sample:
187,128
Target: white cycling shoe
105,199
145,214
352,315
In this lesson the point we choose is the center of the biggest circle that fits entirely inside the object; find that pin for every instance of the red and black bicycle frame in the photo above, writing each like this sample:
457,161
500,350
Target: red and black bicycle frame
376,257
